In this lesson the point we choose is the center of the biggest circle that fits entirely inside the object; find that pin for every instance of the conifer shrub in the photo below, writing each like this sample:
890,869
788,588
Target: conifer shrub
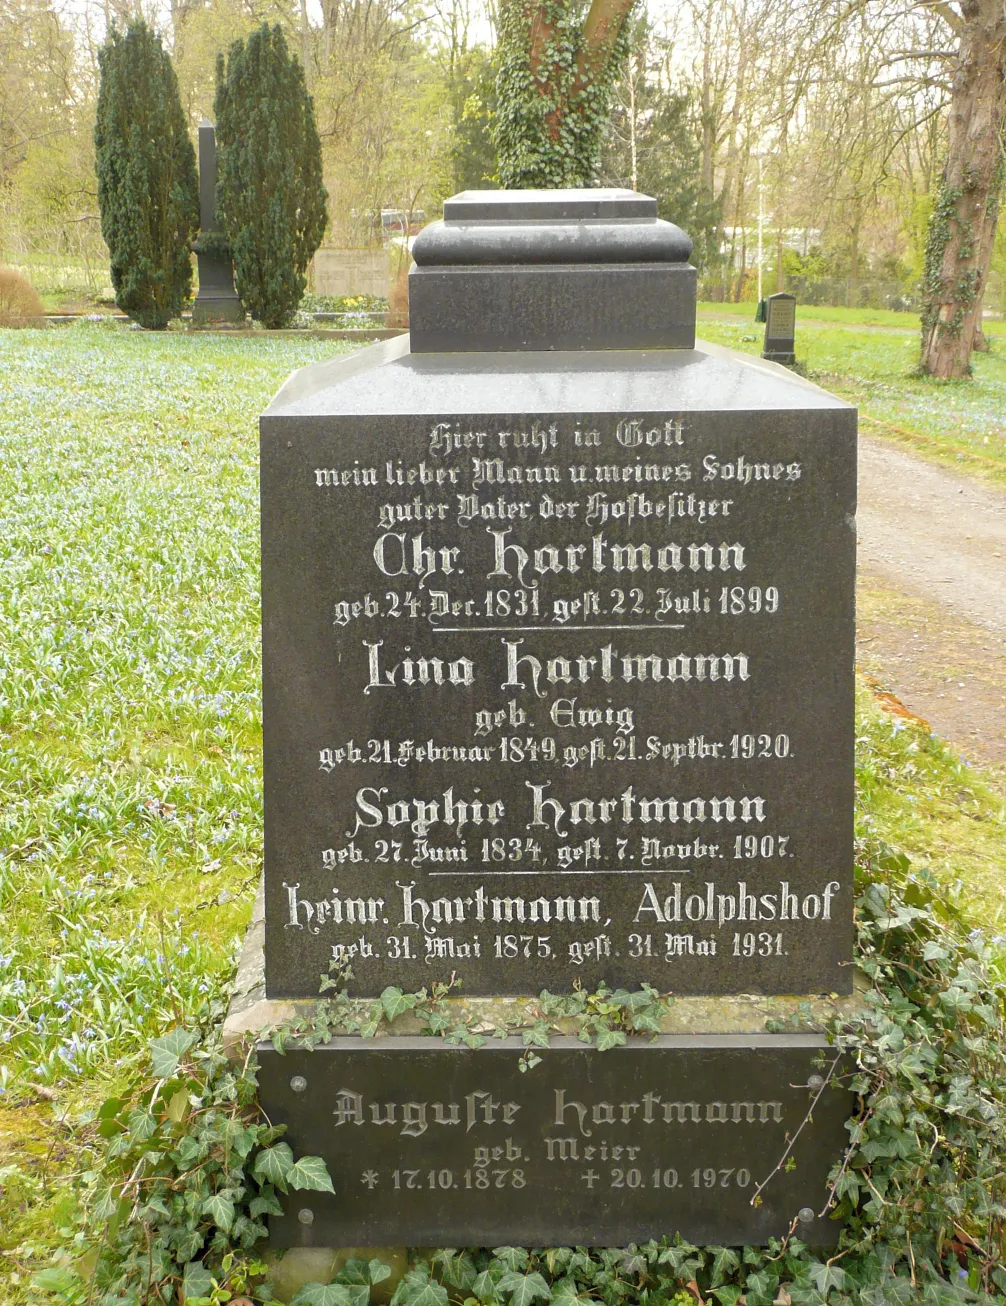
20,306
270,196
148,192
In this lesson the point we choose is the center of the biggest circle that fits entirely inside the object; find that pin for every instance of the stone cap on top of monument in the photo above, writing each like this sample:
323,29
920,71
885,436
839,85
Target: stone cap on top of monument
551,270
541,227
558,205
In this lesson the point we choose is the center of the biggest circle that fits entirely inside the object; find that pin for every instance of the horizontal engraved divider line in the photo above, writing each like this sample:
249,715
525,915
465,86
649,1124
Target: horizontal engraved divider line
555,630
684,870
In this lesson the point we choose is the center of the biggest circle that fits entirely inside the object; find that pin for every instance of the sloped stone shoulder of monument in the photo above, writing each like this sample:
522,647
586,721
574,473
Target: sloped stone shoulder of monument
387,378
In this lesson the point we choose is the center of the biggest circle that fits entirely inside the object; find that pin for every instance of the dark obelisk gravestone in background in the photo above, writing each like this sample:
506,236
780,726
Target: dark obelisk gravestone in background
216,299
557,674
780,328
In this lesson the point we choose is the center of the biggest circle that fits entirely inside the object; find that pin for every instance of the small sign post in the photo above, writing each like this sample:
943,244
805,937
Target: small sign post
780,328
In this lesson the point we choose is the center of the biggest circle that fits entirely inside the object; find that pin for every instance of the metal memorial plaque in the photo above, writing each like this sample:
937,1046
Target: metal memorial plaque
560,697
430,1145
781,317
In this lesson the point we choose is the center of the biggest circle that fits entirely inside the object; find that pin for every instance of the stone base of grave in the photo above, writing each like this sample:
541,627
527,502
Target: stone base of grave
723,1043
211,310
250,1012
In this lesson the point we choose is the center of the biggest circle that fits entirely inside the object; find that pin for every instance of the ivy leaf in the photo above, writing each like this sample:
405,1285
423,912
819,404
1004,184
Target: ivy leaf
105,1205
396,1003
537,1035
142,1125
322,1294
828,1276
725,1262
484,1286
761,1288
524,1288
728,1294
110,1125
187,1244
59,1279
512,1258
310,1172
609,1038
220,1210
189,1151
378,1271
430,1294
166,1052
177,1105
265,1204
273,1165
197,1282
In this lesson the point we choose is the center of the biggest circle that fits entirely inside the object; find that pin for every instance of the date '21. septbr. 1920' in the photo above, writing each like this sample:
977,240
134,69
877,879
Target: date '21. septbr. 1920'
552,714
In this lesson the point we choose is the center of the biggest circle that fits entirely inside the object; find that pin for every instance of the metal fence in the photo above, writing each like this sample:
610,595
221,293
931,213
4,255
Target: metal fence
836,292
849,292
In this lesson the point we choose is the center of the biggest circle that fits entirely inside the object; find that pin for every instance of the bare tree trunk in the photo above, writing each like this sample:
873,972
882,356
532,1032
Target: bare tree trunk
780,274
633,69
854,264
305,43
708,126
601,27
959,243
980,340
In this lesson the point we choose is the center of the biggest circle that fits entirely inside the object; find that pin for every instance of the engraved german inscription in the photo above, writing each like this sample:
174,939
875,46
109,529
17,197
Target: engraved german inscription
560,697
430,1142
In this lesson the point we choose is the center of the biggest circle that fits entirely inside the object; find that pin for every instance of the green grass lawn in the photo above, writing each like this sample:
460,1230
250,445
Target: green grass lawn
870,357
711,311
129,708
130,746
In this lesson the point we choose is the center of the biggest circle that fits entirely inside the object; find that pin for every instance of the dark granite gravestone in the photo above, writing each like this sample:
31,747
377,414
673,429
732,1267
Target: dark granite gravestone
558,689
780,328
582,269
432,1145
216,299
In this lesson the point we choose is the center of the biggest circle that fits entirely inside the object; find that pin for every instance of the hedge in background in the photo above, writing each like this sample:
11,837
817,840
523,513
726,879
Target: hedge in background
148,192
269,189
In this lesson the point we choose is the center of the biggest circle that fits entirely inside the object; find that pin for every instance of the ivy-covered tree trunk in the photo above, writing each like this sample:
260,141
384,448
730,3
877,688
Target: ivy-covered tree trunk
270,195
962,228
148,193
554,88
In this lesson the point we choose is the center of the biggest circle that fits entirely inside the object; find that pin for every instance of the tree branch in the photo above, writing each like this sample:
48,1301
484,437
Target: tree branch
601,29
953,20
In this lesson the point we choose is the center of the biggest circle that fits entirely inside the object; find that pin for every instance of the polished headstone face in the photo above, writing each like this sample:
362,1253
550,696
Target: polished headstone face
558,674
439,1146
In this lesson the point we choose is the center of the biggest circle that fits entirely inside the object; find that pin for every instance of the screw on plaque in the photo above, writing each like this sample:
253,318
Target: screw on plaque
298,1083
815,1082
805,1214
306,1216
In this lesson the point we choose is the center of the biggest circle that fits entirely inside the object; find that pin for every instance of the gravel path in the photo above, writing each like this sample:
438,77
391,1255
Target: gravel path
932,595
934,533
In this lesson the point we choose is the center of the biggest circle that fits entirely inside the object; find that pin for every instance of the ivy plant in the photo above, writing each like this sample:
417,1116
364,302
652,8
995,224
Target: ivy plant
186,1167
